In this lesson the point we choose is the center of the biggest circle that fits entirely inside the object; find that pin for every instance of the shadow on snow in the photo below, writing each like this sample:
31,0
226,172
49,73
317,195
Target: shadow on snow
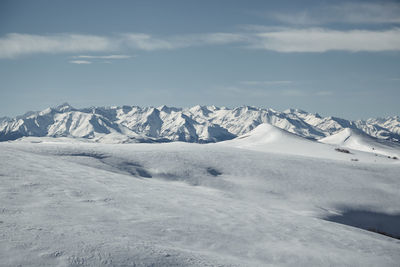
381,223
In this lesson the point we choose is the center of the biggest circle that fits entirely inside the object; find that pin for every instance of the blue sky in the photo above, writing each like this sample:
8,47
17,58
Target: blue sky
336,58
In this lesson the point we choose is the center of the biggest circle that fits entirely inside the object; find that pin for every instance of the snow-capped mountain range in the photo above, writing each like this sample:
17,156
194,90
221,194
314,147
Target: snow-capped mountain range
201,124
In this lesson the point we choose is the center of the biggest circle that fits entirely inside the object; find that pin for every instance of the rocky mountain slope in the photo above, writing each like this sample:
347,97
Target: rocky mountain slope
201,124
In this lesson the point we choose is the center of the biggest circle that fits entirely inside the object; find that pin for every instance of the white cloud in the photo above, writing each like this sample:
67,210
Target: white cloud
275,39
345,13
322,40
104,56
80,62
212,38
15,44
147,42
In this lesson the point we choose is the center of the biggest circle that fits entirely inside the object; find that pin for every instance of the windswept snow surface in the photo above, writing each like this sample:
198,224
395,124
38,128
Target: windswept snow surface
258,200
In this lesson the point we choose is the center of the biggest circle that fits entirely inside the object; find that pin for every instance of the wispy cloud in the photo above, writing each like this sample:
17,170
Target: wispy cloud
297,92
344,13
15,44
80,62
274,39
261,83
148,42
104,56
322,40
277,39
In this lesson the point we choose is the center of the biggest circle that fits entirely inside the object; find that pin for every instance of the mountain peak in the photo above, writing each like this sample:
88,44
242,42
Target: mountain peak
64,107
166,109
194,124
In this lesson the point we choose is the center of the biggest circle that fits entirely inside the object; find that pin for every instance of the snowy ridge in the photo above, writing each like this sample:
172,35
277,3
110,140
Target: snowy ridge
198,124
355,139
271,139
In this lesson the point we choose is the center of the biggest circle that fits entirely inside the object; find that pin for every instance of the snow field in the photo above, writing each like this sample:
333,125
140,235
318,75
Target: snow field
84,204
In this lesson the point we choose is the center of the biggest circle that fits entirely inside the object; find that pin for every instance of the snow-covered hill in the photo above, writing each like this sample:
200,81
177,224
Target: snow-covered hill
355,139
200,124
266,198
269,138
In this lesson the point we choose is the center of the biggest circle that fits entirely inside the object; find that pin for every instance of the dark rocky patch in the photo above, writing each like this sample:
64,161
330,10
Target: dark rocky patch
213,171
